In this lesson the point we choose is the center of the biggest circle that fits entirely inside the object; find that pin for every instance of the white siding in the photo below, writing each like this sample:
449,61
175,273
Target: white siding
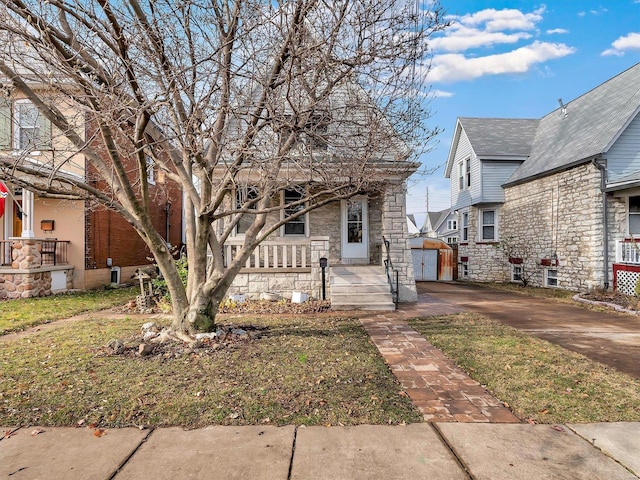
464,150
494,174
623,157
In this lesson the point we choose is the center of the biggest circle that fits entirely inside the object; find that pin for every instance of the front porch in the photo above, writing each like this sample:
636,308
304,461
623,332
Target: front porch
34,267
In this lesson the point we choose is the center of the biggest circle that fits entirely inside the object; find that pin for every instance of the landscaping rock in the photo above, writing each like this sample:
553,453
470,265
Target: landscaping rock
145,349
115,347
150,327
149,334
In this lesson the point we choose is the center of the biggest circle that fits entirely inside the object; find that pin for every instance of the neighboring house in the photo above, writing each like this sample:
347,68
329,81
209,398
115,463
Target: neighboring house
50,244
552,201
442,225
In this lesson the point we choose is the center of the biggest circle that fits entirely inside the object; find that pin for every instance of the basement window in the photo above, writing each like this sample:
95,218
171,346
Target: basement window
551,277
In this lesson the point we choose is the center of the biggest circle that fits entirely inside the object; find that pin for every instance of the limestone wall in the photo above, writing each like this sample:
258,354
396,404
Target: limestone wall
559,215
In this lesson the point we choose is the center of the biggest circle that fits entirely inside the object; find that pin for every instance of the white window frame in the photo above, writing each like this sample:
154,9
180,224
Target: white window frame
551,280
517,271
238,204
452,224
452,240
305,217
151,176
465,227
43,138
461,176
467,172
464,273
481,225
630,213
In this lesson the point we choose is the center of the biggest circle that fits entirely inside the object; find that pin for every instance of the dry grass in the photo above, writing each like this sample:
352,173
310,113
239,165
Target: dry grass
537,379
19,314
313,370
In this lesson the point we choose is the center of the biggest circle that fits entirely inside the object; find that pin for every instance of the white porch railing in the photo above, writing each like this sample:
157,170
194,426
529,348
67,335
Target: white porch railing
628,252
274,254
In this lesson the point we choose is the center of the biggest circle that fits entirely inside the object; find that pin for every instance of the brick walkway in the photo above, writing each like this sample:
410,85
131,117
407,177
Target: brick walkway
439,389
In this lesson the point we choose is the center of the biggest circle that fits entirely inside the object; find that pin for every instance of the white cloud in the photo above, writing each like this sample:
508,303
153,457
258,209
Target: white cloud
467,38
507,19
628,42
559,30
454,67
442,94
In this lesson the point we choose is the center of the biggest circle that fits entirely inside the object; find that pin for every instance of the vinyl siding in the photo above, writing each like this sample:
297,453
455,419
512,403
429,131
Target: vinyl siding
461,198
623,158
494,174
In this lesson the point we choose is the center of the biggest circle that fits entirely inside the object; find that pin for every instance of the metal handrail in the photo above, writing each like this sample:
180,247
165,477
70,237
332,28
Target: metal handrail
388,269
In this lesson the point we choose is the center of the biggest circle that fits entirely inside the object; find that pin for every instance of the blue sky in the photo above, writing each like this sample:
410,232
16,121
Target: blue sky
514,59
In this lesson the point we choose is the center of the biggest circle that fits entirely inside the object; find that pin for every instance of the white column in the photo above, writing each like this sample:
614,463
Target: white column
27,214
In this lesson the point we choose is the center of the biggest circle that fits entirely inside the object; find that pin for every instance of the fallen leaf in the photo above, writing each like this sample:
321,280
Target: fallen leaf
402,393
98,432
507,367
92,425
36,431
544,412
558,428
80,423
531,421
9,433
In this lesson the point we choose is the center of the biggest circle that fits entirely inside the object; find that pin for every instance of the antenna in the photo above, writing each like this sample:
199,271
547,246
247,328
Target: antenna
563,107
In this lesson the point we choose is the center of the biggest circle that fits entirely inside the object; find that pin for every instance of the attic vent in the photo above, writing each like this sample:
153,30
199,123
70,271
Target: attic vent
563,108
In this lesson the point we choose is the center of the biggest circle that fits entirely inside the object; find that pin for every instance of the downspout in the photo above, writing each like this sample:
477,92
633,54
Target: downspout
601,164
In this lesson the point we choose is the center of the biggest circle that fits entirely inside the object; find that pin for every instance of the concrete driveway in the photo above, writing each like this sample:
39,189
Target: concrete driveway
608,337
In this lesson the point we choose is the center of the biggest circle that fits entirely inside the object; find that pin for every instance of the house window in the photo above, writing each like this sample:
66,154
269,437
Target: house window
316,130
467,166
151,178
551,277
452,224
464,269
296,226
517,271
461,176
32,131
488,222
452,240
246,197
634,215
465,227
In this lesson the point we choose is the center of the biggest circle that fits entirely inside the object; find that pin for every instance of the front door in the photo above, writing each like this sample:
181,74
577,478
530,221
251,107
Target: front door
355,230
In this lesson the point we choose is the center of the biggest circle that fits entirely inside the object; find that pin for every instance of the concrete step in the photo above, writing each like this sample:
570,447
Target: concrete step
360,287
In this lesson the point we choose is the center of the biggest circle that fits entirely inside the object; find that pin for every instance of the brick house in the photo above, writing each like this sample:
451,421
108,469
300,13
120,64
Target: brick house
51,244
553,201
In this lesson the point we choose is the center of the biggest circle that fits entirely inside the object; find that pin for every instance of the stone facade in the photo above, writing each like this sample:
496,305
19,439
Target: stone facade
551,223
27,277
394,229
387,217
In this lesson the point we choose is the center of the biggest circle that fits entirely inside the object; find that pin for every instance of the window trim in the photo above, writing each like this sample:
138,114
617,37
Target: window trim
464,269
468,172
629,214
304,218
452,224
517,277
547,277
465,227
236,192
44,137
481,225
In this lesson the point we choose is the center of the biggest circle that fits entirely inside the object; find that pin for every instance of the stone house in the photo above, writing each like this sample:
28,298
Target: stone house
442,225
554,201
51,244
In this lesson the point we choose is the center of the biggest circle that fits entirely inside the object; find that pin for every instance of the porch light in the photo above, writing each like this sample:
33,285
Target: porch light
47,225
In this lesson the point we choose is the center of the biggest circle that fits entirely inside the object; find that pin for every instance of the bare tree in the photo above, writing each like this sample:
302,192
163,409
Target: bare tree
223,96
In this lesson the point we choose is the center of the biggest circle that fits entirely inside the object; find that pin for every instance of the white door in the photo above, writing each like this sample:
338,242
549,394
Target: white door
355,230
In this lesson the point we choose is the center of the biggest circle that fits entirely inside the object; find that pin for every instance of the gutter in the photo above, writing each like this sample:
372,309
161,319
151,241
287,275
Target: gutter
601,164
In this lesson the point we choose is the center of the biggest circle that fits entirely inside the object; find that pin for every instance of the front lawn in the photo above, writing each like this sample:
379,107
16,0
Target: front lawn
18,314
537,379
305,369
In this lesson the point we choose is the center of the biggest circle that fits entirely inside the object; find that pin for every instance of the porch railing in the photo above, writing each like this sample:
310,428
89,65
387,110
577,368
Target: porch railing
289,253
628,251
53,252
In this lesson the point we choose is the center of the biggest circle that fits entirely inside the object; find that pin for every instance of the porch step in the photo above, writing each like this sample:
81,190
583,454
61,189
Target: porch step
360,287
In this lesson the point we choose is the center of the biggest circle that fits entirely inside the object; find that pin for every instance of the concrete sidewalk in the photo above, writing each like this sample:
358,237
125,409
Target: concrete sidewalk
428,450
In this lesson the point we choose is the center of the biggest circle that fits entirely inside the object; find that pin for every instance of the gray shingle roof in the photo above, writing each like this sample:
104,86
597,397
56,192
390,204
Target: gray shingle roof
592,123
497,137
